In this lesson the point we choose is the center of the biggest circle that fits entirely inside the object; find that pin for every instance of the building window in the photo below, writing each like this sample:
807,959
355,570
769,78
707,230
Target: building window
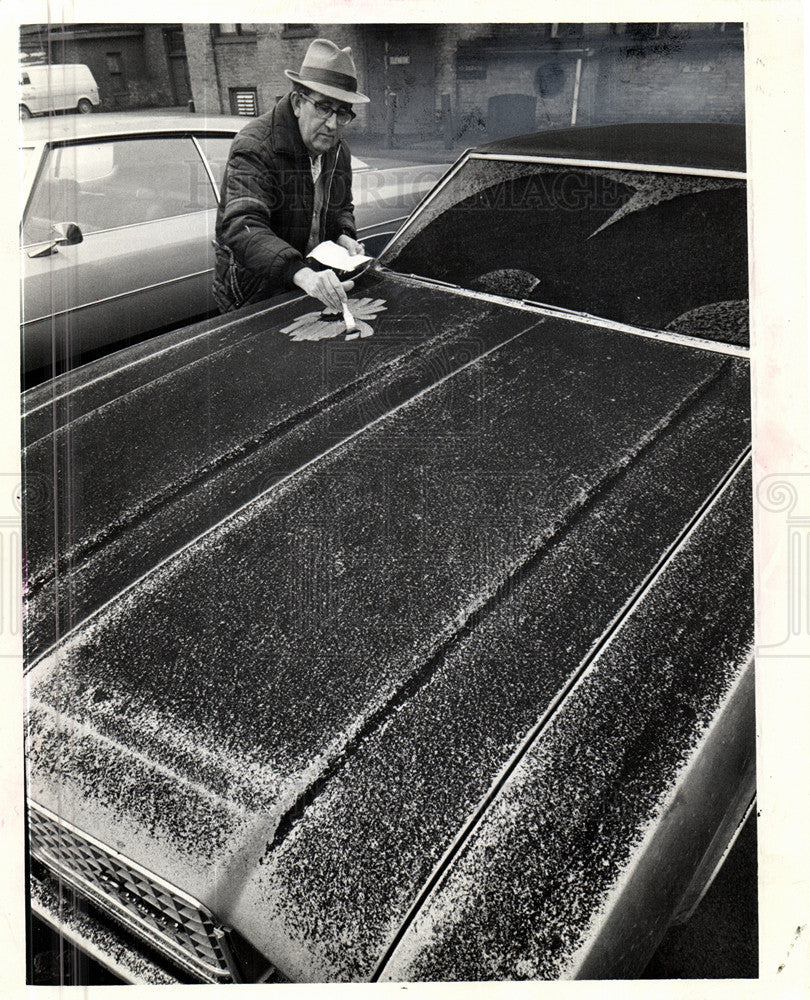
471,71
244,101
175,41
470,63
115,67
298,31
231,30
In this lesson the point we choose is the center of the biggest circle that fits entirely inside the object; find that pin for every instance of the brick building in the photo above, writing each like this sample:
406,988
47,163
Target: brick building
134,65
596,73
466,82
471,82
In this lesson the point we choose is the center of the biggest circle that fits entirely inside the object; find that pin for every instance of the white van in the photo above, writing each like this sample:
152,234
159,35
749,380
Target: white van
60,87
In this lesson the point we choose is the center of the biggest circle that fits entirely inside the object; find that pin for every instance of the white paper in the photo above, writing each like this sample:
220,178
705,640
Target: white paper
335,256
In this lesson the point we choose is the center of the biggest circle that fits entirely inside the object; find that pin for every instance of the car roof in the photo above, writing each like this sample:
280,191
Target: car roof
694,145
104,124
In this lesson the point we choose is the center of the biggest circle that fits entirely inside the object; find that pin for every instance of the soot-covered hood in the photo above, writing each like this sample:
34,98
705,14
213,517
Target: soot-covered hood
315,617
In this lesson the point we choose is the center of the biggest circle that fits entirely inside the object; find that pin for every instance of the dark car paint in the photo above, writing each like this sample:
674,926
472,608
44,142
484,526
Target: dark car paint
290,724
700,145
391,660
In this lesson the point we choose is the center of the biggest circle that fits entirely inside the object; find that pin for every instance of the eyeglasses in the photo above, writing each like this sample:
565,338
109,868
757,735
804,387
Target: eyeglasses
324,110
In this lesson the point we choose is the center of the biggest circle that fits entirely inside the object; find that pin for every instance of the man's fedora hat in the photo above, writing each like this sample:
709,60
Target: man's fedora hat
330,71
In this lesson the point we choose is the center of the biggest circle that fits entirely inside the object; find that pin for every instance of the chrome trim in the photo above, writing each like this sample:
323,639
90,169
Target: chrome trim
612,165
684,339
557,312
428,198
396,223
119,295
207,166
29,182
687,906
105,941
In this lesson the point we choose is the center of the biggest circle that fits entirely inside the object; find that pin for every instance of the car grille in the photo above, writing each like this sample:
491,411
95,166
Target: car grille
167,918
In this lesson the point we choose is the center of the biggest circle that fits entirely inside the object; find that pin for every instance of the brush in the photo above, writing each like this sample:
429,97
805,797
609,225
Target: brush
348,319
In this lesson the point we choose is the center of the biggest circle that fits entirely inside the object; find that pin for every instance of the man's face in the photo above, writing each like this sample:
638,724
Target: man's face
319,133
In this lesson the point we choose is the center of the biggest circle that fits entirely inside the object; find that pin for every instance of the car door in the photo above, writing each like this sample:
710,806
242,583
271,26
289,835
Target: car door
145,207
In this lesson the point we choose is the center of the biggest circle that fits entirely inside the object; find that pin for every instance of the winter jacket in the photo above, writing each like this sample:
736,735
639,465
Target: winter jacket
265,213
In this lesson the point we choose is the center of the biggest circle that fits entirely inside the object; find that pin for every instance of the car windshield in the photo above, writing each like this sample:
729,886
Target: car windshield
666,251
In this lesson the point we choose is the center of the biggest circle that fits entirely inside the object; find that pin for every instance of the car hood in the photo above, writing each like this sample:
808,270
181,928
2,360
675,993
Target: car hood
325,591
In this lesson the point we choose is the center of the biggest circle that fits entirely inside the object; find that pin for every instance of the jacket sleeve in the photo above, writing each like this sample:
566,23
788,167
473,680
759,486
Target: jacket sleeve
250,191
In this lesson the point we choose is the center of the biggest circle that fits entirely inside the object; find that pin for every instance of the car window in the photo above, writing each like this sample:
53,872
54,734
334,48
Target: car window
85,163
215,149
656,250
122,182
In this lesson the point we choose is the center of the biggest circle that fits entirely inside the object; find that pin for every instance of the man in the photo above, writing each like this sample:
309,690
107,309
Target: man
288,187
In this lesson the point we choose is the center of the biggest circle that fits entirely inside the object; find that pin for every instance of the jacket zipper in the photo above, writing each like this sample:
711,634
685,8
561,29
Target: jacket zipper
325,206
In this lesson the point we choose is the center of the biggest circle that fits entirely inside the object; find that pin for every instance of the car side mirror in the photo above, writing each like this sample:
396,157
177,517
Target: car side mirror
67,234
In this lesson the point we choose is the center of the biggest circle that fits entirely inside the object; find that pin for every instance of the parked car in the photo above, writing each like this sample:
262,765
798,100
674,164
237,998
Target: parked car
58,87
118,222
425,654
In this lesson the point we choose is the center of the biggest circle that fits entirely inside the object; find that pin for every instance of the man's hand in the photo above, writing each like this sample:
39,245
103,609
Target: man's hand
351,245
324,286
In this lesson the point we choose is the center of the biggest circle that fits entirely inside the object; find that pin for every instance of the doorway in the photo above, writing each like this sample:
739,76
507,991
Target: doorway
401,70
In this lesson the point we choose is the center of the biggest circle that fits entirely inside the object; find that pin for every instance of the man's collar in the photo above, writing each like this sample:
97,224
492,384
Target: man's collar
286,135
